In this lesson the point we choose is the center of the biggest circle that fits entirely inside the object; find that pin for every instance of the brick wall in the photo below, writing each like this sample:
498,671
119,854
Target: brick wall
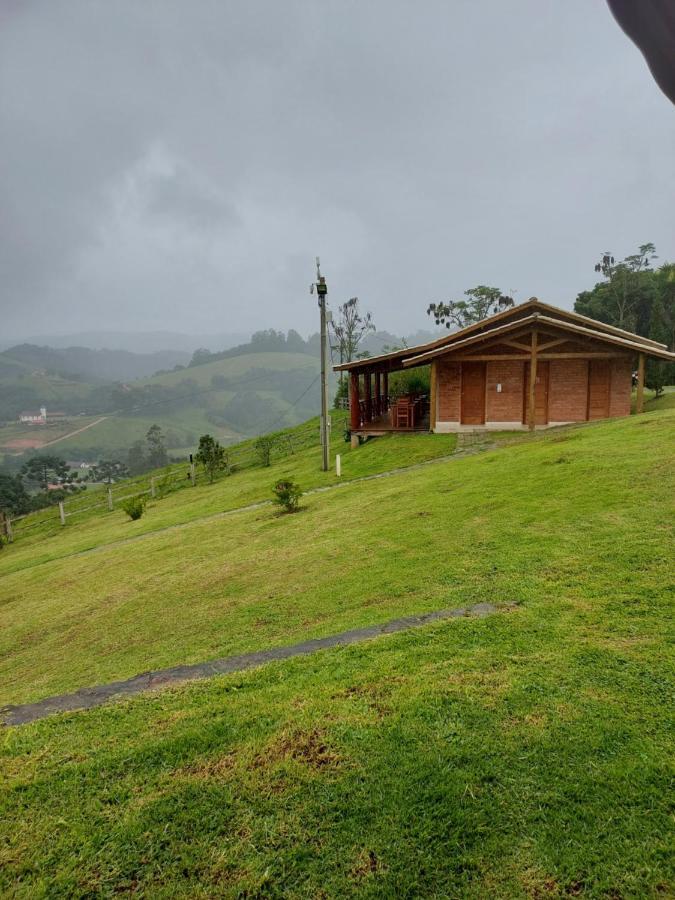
568,390
448,391
567,396
620,387
506,406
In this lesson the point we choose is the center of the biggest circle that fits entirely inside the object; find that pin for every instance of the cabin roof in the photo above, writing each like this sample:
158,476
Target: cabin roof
527,313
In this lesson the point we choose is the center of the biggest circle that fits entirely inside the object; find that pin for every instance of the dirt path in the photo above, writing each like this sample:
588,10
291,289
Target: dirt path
88,698
72,433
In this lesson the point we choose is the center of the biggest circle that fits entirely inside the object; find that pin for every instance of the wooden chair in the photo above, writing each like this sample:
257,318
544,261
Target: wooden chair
404,413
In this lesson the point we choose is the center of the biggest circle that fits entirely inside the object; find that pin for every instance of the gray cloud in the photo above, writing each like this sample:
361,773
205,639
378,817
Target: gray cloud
178,165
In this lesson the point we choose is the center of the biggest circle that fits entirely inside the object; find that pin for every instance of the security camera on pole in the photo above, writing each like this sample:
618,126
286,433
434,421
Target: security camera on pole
322,291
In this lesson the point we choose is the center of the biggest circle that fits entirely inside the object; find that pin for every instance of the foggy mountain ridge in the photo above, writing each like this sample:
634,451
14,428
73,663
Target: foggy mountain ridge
143,342
94,365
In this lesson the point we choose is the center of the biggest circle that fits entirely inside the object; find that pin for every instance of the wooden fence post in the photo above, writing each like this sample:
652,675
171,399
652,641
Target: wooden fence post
152,486
193,476
110,500
8,529
62,513
338,465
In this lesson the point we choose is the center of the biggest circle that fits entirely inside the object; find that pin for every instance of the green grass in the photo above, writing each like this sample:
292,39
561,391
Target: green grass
665,401
237,366
525,755
250,484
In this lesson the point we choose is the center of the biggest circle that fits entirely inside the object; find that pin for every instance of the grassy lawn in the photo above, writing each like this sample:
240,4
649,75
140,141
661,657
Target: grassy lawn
525,755
665,401
522,756
506,525
92,528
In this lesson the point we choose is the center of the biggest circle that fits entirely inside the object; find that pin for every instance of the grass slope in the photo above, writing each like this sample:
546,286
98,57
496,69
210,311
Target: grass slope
525,755
92,528
237,366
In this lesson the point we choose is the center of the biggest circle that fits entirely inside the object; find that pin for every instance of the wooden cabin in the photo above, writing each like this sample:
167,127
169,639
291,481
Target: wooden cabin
531,366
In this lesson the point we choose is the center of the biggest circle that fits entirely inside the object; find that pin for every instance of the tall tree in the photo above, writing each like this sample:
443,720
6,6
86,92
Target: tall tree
136,459
108,471
348,330
483,301
623,299
662,328
211,455
41,471
13,496
157,455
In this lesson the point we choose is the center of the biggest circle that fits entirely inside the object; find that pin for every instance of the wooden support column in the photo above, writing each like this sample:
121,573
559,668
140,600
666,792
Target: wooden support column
368,396
385,393
531,409
378,395
433,394
640,404
355,412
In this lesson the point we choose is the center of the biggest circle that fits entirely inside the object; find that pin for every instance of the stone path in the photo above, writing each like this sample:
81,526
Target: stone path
88,698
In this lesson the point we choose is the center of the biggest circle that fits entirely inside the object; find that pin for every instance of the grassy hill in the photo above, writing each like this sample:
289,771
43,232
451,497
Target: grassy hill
238,367
229,398
523,755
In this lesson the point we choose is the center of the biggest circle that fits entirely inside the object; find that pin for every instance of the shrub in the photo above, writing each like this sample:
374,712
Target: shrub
287,494
134,507
162,486
263,447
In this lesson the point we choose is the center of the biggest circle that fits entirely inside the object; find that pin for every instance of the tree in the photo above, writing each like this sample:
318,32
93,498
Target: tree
200,356
263,447
109,470
349,329
660,372
157,455
483,301
295,342
13,496
136,460
41,471
665,289
627,286
211,455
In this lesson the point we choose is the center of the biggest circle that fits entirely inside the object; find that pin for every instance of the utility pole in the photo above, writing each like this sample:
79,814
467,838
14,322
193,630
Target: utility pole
322,291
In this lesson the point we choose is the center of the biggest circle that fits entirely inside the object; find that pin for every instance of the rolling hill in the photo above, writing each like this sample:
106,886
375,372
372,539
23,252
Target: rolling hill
230,398
526,754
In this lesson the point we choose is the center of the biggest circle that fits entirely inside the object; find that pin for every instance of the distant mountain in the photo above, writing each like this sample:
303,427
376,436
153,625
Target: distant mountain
134,341
93,365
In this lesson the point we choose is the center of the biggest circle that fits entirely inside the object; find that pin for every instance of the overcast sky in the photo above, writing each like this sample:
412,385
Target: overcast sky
178,164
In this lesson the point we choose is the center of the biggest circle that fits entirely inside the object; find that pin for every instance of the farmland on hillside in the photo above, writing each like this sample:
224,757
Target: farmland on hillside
229,398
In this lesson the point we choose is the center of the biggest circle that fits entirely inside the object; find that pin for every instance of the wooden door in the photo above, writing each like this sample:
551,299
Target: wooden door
599,372
540,393
473,393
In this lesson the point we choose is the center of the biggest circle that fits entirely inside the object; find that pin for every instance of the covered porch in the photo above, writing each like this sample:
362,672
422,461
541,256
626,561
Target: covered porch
374,410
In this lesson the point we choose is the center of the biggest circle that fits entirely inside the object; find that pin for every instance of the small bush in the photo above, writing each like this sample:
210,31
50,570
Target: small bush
287,494
134,507
263,448
163,486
